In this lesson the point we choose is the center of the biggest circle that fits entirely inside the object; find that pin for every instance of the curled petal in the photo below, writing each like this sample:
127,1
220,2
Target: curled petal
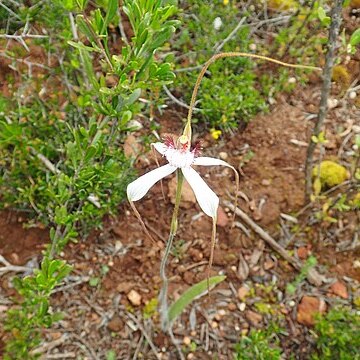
138,188
160,147
206,198
209,161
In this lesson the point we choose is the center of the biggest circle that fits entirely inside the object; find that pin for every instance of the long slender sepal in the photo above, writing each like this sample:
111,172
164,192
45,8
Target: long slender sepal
137,214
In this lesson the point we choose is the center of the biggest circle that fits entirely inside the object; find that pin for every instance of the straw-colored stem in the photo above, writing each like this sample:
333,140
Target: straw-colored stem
173,228
235,54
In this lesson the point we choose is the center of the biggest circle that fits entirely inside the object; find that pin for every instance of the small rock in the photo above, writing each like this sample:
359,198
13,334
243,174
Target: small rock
214,324
266,182
56,335
115,324
195,254
339,289
242,292
222,219
253,317
124,287
269,264
292,80
303,252
332,103
134,297
186,340
352,95
308,308
223,155
232,307
242,306
252,47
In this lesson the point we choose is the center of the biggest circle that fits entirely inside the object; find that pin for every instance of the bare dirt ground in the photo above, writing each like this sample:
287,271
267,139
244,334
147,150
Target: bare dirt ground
108,299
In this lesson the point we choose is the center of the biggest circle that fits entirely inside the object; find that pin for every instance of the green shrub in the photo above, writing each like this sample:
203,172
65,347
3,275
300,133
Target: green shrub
260,345
228,95
338,335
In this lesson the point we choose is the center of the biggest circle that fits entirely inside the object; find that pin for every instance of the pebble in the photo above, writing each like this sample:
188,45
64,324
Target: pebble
332,103
339,289
190,356
308,308
223,155
222,312
292,80
292,303
214,324
232,307
186,340
115,324
233,268
222,219
242,306
242,292
253,317
352,95
134,297
252,47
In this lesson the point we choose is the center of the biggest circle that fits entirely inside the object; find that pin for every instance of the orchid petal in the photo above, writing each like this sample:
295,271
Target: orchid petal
138,188
206,198
209,161
160,147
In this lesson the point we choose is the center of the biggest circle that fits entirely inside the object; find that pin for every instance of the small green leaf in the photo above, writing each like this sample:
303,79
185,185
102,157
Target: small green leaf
314,139
191,294
90,153
94,281
355,37
111,12
111,355
133,97
325,20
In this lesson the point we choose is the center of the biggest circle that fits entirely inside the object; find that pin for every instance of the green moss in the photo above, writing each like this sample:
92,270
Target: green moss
150,308
331,173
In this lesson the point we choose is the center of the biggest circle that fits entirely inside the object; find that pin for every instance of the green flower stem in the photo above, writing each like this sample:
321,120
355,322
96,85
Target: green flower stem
173,229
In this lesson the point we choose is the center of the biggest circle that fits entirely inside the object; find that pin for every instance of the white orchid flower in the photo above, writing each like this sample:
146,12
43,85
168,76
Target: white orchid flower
180,156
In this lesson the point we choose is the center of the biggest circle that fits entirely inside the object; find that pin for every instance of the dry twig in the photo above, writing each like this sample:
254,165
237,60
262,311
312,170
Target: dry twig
325,91
313,276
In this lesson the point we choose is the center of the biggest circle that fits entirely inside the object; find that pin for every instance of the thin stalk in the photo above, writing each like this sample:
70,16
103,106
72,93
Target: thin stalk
234,54
173,229
336,16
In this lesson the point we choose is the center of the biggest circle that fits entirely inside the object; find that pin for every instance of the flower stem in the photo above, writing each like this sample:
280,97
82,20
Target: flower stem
233,54
173,228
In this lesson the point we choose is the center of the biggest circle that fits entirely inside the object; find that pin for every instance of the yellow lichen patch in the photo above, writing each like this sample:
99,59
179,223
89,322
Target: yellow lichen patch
341,76
331,173
282,4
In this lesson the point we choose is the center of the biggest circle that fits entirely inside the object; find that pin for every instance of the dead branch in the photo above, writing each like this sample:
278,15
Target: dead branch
313,276
8,267
336,16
